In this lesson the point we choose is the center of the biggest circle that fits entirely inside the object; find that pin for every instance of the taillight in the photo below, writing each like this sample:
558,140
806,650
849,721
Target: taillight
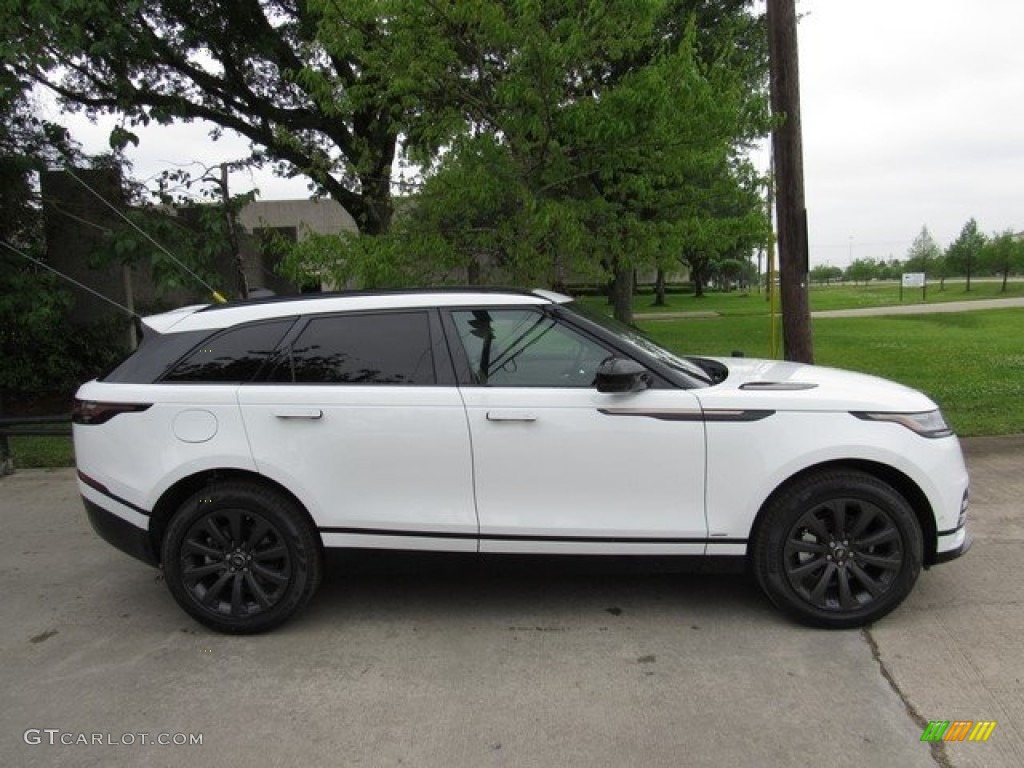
95,412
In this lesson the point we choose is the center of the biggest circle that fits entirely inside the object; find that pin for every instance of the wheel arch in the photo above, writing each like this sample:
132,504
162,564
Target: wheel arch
174,497
903,484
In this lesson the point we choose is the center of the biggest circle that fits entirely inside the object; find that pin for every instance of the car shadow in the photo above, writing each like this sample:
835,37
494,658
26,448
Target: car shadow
474,587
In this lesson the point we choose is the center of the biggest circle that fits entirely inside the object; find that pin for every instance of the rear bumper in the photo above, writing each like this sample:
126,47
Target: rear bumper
120,533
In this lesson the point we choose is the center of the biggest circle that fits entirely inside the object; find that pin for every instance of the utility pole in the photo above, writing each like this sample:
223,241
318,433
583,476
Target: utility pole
787,153
232,233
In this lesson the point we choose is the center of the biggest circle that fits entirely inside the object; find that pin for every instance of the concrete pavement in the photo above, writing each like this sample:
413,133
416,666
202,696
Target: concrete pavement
453,665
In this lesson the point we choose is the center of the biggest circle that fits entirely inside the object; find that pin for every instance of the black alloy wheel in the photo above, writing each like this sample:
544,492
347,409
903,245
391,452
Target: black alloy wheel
241,558
838,549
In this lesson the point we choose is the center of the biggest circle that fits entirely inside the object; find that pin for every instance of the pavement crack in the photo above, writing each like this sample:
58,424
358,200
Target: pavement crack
938,748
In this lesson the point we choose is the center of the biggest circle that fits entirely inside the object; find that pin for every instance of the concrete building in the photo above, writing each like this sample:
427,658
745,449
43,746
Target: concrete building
78,221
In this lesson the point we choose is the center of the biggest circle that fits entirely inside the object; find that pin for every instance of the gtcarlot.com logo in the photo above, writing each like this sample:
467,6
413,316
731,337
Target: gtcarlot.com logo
56,737
958,730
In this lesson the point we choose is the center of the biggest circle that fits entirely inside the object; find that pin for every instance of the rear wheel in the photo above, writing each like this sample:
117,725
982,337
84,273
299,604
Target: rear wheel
838,549
241,558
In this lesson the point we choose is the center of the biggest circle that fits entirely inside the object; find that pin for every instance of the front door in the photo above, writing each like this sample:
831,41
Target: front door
561,467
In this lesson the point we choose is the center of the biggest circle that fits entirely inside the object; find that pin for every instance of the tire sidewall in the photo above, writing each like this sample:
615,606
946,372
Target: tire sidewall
303,553
769,559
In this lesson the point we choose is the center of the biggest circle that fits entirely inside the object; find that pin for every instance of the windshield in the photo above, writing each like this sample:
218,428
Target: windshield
641,341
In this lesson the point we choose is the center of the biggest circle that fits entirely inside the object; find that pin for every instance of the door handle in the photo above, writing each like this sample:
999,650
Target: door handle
511,416
298,413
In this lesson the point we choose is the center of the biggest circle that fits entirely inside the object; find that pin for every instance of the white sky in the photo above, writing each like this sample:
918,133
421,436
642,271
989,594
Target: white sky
913,115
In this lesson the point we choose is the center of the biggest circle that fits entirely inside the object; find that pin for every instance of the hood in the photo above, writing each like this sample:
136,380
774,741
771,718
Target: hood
779,385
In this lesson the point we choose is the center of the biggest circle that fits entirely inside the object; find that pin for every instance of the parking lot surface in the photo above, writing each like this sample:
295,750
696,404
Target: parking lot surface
454,662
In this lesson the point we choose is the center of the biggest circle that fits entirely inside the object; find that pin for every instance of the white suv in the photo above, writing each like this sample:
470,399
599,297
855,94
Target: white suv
239,441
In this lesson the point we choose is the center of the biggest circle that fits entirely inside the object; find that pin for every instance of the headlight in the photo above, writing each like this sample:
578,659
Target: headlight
926,423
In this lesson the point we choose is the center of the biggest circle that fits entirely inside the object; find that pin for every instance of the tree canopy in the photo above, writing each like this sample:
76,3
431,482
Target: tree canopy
580,139
545,138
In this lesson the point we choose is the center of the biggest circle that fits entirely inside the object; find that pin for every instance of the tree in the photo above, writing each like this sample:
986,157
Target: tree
314,100
578,142
36,352
924,253
825,273
861,270
963,253
1003,254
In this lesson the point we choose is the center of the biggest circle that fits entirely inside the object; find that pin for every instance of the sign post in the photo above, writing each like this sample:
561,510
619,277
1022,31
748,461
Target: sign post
914,280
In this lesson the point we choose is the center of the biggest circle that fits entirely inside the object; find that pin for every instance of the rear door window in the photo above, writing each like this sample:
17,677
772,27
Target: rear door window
377,348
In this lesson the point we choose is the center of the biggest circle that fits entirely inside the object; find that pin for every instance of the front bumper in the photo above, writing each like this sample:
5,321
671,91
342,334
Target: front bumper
957,551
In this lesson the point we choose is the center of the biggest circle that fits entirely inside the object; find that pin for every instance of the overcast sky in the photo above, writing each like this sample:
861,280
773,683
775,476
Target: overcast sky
913,115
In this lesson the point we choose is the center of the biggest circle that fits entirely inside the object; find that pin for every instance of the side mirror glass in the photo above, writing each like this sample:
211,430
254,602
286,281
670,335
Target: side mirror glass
618,375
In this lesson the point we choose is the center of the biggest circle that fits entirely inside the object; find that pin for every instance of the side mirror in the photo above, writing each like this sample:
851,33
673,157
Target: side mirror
618,375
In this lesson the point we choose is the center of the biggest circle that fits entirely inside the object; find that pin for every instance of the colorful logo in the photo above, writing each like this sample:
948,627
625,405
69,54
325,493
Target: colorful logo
958,730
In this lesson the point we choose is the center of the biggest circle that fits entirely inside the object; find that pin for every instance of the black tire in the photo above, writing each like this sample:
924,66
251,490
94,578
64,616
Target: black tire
838,549
241,558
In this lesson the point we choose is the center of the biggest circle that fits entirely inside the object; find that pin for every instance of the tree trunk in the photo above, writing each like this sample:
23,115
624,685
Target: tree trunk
232,235
698,283
659,289
622,294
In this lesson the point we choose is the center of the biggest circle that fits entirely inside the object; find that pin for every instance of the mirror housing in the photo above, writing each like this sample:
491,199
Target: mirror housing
618,375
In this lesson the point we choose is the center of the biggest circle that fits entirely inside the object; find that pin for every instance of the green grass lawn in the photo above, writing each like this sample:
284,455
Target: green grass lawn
971,363
824,297
42,451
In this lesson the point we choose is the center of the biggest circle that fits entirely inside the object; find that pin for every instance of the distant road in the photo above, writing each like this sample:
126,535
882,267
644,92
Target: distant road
895,309
923,309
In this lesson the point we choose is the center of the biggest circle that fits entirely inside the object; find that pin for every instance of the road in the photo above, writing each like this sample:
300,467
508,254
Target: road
401,663
924,309
895,309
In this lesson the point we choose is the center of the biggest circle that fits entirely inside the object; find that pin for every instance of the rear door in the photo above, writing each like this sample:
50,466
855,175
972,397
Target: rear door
361,418
561,467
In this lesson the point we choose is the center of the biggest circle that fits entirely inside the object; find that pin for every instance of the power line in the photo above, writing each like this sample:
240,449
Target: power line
146,235
84,287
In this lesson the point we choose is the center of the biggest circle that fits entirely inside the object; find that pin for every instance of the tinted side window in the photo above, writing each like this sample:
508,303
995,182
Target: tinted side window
232,356
387,348
526,348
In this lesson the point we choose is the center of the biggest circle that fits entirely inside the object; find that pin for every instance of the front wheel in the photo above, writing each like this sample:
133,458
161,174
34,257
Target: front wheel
241,558
838,549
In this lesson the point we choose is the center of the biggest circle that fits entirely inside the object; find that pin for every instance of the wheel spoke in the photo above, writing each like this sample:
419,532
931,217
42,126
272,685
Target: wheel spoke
266,573
236,595
197,572
235,524
216,588
806,569
846,598
803,545
257,531
883,536
211,527
838,509
818,593
816,526
257,591
867,515
891,563
272,553
199,548
869,583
